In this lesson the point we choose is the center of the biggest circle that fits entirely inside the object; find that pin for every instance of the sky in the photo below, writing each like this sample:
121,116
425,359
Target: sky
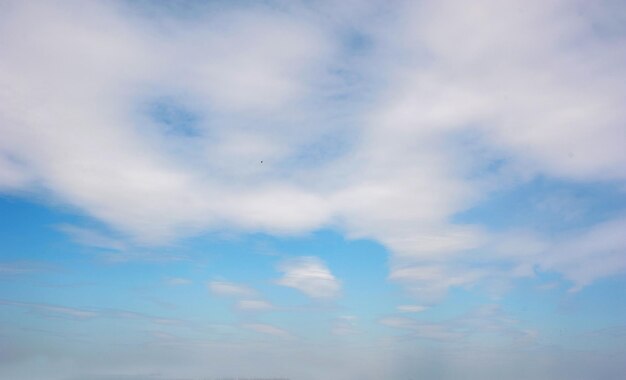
312,190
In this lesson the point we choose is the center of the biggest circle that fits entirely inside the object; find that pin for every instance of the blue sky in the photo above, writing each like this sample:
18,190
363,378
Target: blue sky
312,190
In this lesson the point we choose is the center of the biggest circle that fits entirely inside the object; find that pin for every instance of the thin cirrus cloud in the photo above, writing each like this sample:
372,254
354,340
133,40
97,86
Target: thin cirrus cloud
177,281
18,268
487,319
411,308
344,325
60,311
53,310
247,299
230,289
253,305
267,329
91,237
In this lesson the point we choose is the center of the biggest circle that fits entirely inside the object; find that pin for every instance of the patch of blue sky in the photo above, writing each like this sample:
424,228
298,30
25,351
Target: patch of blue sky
458,301
559,314
324,150
359,265
351,82
86,280
173,117
548,205
83,280
66,270
25,228
608,19
356,42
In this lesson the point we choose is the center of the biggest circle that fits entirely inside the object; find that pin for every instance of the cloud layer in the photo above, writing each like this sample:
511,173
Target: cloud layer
382,125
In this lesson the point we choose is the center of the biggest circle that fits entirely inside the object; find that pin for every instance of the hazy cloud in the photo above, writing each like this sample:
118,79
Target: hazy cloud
267,329
344,325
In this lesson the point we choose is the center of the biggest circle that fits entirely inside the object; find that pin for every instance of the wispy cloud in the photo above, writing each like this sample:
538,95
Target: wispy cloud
267,329
247,299
177,281
230,289
487,319
254,305
344,325
51,310
91,237
424,330
594,253
411,308
14,268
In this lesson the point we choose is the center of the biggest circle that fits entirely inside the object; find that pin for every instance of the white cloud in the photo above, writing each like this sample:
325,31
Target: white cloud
545,123
310,276
230,289
12,176
108,159
278,48
532,85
